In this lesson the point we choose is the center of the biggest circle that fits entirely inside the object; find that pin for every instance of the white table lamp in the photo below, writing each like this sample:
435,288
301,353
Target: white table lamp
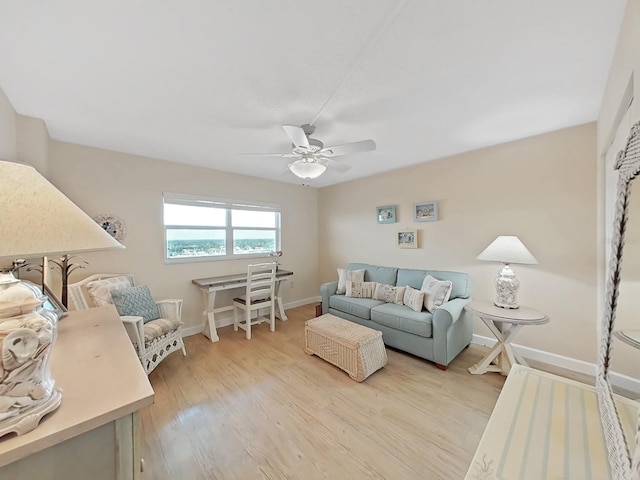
507,249
36,220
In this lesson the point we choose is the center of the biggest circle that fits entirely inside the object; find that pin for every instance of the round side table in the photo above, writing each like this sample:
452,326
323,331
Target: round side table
504,323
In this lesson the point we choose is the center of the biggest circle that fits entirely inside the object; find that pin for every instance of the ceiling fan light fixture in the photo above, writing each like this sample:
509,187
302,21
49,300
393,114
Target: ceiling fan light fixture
304,168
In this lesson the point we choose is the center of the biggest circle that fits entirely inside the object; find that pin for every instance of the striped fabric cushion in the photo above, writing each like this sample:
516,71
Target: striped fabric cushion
414,299
159,327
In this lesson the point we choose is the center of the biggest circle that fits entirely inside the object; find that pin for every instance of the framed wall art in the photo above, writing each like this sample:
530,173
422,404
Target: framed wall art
386,214
408,239
425,212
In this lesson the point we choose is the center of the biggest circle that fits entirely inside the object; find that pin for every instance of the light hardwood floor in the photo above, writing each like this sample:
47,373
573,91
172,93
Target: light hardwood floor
263,409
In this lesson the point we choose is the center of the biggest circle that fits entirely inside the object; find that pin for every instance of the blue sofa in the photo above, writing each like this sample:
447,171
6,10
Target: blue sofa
438,337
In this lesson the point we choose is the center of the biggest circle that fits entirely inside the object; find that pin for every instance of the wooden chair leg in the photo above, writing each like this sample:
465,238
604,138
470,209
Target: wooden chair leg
248,320
235,318
272,317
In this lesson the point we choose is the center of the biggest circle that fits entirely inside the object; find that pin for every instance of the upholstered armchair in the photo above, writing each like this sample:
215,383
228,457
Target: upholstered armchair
154,326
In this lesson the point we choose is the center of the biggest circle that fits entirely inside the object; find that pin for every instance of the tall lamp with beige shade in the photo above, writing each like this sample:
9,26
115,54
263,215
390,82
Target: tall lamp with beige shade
507,249
36,220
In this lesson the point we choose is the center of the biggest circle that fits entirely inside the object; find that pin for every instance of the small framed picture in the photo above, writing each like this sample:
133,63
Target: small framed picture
386,214
408,239
425,212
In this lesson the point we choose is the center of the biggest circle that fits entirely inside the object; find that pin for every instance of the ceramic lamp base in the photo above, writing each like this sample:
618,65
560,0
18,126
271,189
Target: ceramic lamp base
507,286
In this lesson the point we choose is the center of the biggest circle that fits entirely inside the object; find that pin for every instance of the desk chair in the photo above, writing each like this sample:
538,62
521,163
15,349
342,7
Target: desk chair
260,293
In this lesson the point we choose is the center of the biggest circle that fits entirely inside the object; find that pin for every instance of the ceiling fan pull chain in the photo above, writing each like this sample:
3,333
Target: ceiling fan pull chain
377,33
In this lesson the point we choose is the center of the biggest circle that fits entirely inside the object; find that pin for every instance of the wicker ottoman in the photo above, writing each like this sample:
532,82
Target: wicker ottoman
356,349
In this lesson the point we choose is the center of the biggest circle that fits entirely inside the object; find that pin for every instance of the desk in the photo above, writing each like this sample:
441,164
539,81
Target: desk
210,286
509,323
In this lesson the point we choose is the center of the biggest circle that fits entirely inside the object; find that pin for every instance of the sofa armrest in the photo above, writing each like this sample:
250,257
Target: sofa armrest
449,312
326,290
170,308
448,328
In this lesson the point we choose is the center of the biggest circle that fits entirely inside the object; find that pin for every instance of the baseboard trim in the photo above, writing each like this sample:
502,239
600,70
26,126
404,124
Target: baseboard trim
304,301
579,366
226,319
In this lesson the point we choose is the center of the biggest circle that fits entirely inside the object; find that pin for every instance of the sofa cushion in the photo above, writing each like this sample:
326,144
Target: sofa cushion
403,318
389,293
374,273
411,278
349,275
436,292
360,307
360,289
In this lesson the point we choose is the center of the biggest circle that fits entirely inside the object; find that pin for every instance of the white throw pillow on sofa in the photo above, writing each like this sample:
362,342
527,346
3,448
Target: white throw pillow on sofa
414,299
436,292
345,276
389,293
360,289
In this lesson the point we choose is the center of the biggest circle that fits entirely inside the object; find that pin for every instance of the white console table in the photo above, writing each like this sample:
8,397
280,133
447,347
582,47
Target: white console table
212,285
95,432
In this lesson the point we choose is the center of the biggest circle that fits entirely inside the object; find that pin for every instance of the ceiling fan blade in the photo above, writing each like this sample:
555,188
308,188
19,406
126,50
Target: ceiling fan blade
296,135
338,166
285,155
348,148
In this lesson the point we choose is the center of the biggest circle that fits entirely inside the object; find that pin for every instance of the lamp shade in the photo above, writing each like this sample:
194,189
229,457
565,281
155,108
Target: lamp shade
507,249
36,219
306,168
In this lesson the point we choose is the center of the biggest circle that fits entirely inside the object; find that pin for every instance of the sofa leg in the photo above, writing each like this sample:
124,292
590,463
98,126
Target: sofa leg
441,367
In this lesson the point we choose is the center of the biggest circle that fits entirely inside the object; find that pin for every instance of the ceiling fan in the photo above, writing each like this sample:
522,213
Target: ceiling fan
312,157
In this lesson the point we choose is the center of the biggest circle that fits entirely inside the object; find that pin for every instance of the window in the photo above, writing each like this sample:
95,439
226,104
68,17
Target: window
198,228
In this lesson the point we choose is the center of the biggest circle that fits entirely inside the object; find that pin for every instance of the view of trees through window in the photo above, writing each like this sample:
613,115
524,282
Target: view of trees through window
200,228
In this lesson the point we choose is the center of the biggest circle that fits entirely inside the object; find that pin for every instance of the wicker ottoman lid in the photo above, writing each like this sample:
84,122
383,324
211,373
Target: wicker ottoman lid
343,330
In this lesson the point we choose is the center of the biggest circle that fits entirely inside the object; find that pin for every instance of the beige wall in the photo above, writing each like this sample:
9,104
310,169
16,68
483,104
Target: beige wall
8,148
32,140
541,189
131,188
625,66
23,139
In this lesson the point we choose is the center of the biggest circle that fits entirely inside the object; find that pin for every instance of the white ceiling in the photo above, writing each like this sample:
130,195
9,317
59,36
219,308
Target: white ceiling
198,82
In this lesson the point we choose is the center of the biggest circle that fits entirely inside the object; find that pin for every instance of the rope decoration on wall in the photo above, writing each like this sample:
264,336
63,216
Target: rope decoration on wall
623,465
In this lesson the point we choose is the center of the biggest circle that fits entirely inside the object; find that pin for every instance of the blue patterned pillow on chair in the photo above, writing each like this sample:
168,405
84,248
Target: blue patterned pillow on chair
136,301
